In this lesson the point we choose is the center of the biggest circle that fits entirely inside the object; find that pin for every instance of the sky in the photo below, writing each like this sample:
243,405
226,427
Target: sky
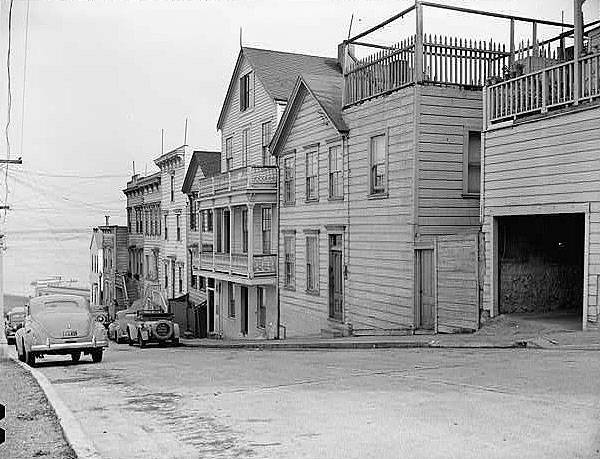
103,77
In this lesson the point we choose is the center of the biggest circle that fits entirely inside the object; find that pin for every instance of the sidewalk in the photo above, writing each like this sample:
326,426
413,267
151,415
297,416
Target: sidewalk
504,332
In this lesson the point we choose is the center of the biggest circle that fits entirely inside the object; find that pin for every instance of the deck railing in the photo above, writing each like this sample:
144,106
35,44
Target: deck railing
237,263
244,178
543,90
443,60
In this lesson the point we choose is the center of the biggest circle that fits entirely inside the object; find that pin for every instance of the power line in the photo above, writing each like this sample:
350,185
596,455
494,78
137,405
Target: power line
24,75
9,102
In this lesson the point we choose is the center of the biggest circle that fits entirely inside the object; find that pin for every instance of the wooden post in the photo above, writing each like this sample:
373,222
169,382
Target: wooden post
418,77
214,225
250,224
512,42
231,229
544,92
536,50
578,35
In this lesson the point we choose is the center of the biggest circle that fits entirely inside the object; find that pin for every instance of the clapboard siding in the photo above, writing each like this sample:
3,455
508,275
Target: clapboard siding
553,161
379,292
302,313
235,121
443,116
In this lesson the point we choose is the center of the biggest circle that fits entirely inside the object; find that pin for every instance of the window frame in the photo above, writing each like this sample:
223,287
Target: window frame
166,228
311,150
291,180
172,188
231,300
383,192
289,260
229,153
178,226
244,223
267,158
467,130
339,171
245,141
246,91
261,308
312,287
264,231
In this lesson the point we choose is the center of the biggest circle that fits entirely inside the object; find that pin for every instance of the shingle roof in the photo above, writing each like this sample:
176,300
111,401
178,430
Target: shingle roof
278,70
328,92
209,163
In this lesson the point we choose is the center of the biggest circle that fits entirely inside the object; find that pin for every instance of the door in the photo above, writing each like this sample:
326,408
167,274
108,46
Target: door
211,310
244,308
335,277
426,295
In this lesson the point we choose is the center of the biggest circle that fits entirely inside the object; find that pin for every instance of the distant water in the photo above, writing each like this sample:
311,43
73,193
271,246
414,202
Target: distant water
33,254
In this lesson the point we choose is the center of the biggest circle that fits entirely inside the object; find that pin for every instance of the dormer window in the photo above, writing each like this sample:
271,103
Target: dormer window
246,91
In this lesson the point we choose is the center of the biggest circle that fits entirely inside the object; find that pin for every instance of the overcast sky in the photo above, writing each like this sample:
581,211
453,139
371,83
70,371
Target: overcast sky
104,77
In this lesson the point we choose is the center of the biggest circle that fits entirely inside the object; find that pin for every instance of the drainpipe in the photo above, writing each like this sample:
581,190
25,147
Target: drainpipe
277,258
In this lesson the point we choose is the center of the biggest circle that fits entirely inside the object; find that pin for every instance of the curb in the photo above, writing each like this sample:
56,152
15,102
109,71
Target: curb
76,438
282,346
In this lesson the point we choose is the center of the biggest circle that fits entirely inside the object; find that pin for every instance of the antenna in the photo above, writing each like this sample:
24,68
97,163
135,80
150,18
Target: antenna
162,141
185,132
133,167
240,36
350,27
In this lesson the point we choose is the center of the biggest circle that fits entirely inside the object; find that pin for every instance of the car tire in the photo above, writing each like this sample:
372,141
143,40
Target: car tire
141,341
75,356
29,358
97,356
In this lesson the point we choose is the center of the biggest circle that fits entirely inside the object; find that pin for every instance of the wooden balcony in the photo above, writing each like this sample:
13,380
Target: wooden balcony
245,179
569,83
237,264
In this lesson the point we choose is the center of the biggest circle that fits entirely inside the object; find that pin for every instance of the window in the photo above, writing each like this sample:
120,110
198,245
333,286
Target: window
191,258
177,220
229,153
146,223
166,275
207,220
129,219
289,172
231,299
312,263
148,266
289,255
201,283
261,309
245,146
244,230
246,91
378,176
172,188
192,213
336,181
266,230
180,279
312,186
472,163
158,219
266,139
151,221
166,229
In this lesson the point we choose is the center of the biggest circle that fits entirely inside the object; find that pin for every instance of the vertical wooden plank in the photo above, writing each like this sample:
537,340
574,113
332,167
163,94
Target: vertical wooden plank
512,41
586,267
419,42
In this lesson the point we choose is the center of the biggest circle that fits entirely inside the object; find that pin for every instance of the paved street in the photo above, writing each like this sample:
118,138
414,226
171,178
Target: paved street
184,403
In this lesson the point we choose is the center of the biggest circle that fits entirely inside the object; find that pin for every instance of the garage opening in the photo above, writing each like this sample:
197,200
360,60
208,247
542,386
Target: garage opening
541,266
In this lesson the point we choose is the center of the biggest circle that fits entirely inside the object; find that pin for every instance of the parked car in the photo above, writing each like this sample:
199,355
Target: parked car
13,321
118,329
60,324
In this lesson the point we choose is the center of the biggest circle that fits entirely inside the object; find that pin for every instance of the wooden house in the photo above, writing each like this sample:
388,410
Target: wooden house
238,206
541,186
407,119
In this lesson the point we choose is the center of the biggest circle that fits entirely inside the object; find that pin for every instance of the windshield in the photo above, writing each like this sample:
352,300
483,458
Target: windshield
57,307
16,316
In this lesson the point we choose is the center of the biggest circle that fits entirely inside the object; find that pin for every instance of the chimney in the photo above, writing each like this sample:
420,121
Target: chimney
106,217
345,50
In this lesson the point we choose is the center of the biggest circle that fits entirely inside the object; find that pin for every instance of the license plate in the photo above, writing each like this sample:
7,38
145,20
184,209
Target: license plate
69,333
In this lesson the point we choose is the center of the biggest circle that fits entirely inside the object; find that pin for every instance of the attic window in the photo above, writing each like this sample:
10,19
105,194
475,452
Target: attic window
246,91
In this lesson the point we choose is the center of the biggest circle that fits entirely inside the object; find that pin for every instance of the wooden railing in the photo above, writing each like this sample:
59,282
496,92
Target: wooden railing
244,178
443,60
237,263
264,264
543,90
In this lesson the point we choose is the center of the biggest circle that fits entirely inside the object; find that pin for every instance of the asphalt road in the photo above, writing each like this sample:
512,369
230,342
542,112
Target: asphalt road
186,403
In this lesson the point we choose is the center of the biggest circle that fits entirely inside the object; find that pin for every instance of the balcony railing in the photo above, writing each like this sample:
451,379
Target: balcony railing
263,265
242,179
543,90
442,60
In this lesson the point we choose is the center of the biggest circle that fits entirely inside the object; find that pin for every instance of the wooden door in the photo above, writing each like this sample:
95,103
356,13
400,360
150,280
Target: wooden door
244,308
426,291
335,277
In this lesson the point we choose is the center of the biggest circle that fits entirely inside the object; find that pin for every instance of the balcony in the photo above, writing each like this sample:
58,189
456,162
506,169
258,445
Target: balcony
237,264
245,179
569,83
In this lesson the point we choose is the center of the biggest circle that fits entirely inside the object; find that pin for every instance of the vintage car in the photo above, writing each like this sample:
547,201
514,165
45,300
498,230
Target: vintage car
146,321
13,321
60,324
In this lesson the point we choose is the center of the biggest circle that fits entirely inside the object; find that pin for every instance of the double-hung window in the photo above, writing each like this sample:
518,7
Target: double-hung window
312,263
166,229
245,146
180,271
312,168
172,188
207,220
289,254
266,230
177,220
246,92
336,180
289,172
229,153
231,299
471,163
266,138
244,230
378,172
261,308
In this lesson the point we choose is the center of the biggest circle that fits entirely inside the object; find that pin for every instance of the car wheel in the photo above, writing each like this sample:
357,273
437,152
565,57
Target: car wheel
141,341
97,356
75,356
29,358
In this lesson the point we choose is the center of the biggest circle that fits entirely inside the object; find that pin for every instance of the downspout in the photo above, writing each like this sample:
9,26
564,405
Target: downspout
277,265
346,153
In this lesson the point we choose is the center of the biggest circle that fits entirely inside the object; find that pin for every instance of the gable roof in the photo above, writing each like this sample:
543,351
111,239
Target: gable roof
277,71
326,90
209,163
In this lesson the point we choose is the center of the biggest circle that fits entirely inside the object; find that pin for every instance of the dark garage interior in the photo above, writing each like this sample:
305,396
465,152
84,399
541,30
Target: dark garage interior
541,264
